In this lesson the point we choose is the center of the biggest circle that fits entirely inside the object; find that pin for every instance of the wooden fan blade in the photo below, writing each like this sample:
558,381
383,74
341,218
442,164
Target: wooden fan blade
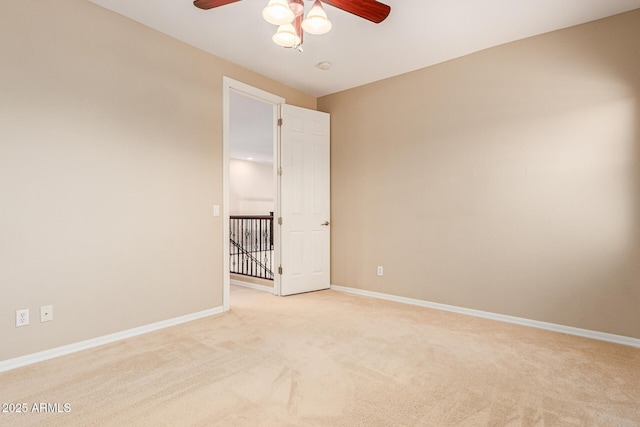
210,4
368,9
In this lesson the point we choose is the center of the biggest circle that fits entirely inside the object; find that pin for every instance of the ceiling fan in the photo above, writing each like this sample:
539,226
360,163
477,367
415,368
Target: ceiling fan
289,16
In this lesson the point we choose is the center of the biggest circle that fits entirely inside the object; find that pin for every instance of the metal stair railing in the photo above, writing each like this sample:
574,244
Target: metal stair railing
251,245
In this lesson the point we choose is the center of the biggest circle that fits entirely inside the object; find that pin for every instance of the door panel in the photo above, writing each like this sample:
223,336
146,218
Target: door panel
304,200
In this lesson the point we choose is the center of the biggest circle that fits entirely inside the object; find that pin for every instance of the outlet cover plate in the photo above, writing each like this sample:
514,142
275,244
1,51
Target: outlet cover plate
22,317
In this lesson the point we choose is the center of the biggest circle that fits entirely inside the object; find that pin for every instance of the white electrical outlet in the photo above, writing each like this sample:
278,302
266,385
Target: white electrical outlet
22,317
46,313
380,270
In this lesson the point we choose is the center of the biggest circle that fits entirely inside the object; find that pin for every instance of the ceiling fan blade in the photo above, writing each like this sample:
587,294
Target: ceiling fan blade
210,4
368,9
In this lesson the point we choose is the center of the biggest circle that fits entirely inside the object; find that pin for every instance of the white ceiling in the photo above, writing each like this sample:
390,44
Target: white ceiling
250,129
417,33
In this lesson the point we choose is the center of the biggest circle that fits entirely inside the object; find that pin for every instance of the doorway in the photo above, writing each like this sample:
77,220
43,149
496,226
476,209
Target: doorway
253,146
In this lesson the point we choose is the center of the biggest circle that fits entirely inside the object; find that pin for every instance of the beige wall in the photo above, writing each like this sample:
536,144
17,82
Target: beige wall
504,181
251,188
110,162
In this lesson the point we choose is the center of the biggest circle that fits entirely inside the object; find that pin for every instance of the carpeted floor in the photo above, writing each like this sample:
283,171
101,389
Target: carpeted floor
333,359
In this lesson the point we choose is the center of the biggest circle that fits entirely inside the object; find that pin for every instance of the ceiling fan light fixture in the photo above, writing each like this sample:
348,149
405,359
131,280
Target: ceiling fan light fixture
317,22
277,12
286,36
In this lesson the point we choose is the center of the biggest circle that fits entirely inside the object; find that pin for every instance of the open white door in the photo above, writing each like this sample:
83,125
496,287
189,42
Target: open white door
304,200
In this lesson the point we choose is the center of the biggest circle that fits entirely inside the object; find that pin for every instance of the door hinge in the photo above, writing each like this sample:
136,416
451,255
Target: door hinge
280,171
280,220
279,122
280,270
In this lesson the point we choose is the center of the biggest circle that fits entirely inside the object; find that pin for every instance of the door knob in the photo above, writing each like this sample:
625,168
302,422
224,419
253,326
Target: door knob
326,223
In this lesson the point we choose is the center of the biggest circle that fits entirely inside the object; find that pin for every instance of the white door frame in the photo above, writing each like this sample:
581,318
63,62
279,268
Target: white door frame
229,85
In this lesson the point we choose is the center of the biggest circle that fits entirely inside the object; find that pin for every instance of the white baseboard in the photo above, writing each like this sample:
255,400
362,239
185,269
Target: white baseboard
602,336
252,286
29,359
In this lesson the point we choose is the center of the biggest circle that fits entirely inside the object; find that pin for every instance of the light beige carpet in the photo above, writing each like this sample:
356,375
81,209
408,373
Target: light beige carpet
333,359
